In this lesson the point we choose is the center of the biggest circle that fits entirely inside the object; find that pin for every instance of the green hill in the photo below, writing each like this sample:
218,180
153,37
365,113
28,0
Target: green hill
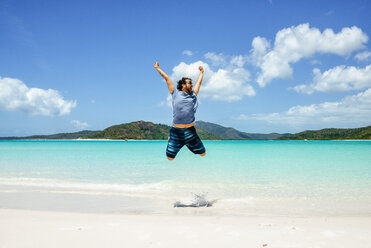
230,133
141,130
331,134
58,136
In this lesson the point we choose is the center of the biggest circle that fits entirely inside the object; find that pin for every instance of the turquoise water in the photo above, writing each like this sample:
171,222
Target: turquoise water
232,169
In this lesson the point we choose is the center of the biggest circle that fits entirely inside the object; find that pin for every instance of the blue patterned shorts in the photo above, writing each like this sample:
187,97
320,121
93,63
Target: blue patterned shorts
184,136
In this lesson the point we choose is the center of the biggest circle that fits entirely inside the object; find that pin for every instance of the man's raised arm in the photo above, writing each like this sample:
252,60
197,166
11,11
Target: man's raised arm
170,84
199,80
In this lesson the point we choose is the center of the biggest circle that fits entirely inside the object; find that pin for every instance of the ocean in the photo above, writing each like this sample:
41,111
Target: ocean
239,177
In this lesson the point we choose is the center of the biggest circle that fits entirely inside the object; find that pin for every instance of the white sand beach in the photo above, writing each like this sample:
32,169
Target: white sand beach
26,228
43,218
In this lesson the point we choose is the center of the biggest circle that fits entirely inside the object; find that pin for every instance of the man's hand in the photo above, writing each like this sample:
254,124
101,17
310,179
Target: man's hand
170,84
199,80
156,65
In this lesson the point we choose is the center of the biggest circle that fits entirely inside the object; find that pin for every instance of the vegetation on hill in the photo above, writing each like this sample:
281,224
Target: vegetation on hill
141,130
58,136
229,133
331,134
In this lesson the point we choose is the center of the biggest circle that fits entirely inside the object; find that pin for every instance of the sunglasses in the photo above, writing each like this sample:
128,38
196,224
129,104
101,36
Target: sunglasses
189,82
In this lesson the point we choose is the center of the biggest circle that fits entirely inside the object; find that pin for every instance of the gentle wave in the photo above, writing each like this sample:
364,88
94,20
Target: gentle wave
63,184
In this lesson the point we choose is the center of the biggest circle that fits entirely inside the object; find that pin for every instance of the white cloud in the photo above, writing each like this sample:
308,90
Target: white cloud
238,61
351,110
191,71
92,101
315,62
168,102
227,84
187,52
16,96
363,56
260,47
297,42
221,60
79,124
216,59
337,79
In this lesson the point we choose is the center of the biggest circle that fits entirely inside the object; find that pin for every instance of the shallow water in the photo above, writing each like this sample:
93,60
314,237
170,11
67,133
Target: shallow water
255,174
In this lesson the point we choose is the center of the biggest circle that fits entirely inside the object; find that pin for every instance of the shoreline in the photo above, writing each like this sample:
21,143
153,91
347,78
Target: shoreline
153,199
166,140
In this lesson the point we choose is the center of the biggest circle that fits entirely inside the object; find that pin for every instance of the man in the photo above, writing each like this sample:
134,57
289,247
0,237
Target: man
185,105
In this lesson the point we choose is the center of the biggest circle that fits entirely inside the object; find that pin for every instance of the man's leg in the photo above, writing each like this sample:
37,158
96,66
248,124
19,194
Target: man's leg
194,143
168,143
174,144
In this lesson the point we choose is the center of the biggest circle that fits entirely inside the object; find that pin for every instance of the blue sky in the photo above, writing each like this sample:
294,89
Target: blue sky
270,66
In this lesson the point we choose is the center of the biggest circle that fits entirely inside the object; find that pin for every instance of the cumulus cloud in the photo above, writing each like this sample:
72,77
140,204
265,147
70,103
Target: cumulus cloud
16,96
79,124
187,52
216,59
297,42
351,110
337,79
363,56
260,47
238,61
225,84
221,60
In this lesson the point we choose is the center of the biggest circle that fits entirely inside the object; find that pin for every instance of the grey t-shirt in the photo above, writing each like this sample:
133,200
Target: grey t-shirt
184,107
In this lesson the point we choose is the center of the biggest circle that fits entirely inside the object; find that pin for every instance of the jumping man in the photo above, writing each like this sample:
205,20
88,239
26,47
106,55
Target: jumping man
185,105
